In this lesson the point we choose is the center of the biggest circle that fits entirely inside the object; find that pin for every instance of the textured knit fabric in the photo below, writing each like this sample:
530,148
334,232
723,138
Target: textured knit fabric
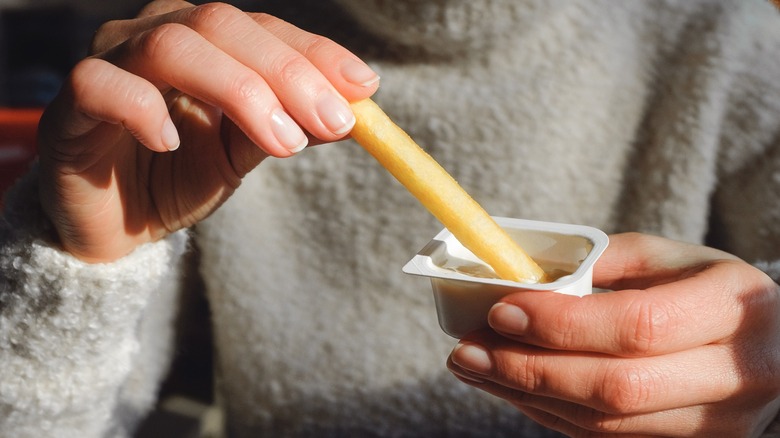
82,347
654,116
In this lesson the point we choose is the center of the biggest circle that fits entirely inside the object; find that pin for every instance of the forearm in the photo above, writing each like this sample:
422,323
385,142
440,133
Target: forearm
69,331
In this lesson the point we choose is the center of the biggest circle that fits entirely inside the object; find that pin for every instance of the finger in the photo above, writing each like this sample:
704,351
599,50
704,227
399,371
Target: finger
619,386
349,74
174,56
714,302
97,91
160,7
304,91
301,87
244,155
571,418
115,32
638,261
575,417
558,424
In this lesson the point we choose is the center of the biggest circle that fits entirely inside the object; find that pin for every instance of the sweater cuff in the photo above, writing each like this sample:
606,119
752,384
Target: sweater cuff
29,247
67,323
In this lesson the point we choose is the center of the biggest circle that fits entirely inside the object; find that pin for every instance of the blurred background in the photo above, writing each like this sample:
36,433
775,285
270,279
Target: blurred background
40,41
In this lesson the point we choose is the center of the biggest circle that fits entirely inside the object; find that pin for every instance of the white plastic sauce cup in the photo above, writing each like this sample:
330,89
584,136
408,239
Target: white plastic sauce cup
465,288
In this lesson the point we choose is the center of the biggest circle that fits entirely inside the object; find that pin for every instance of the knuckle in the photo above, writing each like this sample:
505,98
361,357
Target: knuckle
316,43
159,7
105,36
264,19
290,68
86,76
647,326
163,41
528,376
212,16
759,291
245,87
564,331
626,388
141,102
84,69
90,78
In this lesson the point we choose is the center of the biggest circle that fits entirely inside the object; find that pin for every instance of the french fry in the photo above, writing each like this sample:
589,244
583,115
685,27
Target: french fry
441,194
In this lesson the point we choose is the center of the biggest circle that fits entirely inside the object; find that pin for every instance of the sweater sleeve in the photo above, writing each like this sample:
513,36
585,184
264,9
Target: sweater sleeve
745,216
78,352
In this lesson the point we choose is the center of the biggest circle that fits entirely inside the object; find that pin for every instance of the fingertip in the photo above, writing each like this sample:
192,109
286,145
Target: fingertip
276,135
358,85
358,73
170,135
508,319
335,114
287,132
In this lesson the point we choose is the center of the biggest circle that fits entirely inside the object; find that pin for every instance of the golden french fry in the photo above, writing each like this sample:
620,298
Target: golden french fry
441,194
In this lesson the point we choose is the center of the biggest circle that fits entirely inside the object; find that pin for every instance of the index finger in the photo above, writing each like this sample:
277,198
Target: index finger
285,62
311,76
686,306
115,32
638,261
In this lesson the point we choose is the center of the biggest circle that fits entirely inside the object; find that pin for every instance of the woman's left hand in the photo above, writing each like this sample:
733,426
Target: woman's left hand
688,344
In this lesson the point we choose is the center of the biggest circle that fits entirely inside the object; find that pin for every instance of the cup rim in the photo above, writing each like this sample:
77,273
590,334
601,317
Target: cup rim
422,263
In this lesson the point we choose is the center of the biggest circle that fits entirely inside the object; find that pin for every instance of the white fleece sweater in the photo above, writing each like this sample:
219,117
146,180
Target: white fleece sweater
653,116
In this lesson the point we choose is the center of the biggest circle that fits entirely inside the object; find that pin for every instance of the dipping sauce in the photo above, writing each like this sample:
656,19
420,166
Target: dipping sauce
465,288
554,270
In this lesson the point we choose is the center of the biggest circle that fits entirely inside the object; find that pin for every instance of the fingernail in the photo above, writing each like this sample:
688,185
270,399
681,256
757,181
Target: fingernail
466,376
508,319
335,114
170,136
358,73
287,131
473,358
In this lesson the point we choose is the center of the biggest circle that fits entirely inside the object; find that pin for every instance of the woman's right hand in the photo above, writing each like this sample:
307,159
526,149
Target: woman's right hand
155,130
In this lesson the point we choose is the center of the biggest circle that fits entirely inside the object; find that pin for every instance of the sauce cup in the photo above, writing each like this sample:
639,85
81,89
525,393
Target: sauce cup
465,288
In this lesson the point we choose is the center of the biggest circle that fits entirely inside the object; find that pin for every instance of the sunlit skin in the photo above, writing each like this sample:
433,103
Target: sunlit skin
109,182
155,130
686,345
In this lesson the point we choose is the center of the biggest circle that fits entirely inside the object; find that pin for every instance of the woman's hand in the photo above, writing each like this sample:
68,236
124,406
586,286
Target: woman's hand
156,129
687,345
